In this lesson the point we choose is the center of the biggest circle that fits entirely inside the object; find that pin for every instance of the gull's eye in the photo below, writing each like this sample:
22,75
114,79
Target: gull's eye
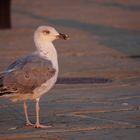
46,32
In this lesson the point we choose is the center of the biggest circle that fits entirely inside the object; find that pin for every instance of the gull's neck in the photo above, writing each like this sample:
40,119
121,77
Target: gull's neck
45,48
47,51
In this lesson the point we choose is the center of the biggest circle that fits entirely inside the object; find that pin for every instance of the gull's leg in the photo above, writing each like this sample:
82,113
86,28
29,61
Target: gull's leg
38,125
28,123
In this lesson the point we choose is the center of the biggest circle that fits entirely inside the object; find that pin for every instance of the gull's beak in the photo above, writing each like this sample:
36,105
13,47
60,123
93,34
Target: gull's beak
63,36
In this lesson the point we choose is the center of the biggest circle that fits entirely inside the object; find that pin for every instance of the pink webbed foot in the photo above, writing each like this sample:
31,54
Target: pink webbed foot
29,124
41,126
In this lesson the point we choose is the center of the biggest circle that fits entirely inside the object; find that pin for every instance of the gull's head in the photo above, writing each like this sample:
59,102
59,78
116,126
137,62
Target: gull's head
48,34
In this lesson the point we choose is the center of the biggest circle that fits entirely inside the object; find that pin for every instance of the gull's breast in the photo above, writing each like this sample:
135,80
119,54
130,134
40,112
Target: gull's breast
45,87
48,53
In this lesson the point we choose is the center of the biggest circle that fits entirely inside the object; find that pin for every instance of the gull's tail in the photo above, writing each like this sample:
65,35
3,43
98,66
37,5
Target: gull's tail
3,90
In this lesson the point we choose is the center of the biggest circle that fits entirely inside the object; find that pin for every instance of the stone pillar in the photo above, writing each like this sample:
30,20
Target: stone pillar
5,14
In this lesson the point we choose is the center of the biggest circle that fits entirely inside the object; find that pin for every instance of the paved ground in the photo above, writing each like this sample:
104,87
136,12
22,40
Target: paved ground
81,112
104,44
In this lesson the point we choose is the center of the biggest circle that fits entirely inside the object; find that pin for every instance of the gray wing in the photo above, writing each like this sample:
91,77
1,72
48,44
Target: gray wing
26,74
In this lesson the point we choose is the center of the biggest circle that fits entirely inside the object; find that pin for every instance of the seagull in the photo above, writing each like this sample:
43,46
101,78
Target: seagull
32,76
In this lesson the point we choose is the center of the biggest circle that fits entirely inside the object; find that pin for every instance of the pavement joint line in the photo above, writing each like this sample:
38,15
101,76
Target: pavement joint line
78,129
112,121
15,137
98,111
107,85
97,100
124,98
83,80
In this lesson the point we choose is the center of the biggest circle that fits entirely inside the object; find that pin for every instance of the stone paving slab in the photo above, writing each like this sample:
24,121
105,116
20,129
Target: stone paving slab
74,112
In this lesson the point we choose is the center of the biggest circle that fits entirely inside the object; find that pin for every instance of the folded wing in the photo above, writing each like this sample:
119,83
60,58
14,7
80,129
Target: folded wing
25,75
